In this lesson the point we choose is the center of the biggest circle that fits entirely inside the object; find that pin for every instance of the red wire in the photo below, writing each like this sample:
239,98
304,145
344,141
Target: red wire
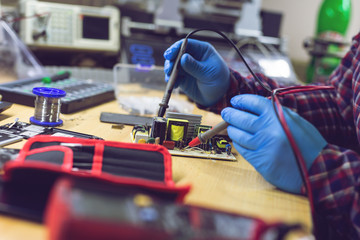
297,152
295,148
297,89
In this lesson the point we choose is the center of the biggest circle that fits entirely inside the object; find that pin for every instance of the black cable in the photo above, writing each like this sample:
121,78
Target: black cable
238,51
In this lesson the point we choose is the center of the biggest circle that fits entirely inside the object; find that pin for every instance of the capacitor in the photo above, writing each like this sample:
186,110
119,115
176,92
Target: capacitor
158,128
47,106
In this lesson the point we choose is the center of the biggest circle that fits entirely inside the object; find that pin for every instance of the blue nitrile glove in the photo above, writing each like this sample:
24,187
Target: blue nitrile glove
203,75
259,138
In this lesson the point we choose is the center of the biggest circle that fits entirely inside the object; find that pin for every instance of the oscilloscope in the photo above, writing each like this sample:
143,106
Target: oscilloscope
65,26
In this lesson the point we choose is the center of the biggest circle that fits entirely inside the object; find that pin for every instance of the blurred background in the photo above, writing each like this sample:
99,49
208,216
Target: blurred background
277,36
299,21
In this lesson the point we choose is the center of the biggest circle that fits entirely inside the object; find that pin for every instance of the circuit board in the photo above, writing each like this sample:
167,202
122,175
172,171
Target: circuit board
199,153
177,131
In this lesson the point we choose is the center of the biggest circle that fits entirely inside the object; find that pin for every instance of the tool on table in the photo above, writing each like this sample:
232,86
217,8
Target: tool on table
17,130
4,105
58,76
203,137
47,106
170,84
127,119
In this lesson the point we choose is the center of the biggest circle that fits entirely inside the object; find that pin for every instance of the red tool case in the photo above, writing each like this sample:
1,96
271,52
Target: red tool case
44,159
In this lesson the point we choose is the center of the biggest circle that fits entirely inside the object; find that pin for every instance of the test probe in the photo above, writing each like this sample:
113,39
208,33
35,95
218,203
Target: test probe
171,82
203,137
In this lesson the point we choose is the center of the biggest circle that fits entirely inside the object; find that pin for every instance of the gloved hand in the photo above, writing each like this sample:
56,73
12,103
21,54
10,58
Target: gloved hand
259,138
203,74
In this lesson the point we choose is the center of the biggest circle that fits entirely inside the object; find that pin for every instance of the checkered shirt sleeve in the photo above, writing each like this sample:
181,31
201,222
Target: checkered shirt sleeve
334,175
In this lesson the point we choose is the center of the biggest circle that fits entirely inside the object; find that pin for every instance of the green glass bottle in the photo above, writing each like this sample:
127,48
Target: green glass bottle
332,23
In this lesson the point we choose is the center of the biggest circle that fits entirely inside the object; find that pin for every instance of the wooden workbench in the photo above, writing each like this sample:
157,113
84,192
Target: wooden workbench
223,185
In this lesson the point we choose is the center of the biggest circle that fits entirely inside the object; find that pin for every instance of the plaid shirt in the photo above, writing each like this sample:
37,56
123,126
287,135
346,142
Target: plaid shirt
334,175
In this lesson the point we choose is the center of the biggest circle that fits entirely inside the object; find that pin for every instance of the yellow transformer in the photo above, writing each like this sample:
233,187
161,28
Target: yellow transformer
176,129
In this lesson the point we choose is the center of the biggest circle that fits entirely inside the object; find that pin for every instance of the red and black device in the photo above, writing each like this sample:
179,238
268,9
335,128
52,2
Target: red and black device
28,179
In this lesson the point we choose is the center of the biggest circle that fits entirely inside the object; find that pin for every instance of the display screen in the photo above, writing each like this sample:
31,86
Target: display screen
95,27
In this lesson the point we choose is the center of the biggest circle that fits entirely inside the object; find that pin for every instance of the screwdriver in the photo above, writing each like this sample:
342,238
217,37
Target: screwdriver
58,76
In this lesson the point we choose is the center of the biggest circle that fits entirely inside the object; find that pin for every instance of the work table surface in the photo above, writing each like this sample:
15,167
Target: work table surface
232,186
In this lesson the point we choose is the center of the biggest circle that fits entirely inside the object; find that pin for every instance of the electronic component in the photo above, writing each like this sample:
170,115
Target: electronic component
193,119
176,129
151,140
200,129
169,144
140,134
68,26
228,148
158,128
80,94
221,144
